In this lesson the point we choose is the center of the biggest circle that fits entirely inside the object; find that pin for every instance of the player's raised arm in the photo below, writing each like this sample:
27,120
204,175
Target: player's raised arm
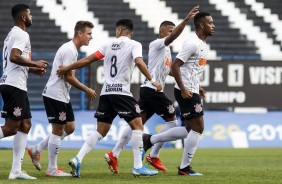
179,28
78,64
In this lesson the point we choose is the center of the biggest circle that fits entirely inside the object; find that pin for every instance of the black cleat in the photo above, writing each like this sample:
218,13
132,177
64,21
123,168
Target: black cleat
187,171
146,144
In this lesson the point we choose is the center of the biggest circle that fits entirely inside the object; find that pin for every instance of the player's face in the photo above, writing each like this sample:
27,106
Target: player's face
86,36
208,26
166,30
27,17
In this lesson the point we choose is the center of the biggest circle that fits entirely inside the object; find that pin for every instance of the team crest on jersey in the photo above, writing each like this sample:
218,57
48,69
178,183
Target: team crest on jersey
62,116
198,108
170,109
137,108
17,111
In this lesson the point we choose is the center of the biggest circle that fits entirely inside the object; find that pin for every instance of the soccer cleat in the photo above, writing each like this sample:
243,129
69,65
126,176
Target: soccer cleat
143,171
156,163
58,172
146,144
187,171
21,175
112,162
34,156
75,166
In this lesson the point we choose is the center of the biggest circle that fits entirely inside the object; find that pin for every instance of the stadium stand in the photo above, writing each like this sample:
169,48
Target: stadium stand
231,40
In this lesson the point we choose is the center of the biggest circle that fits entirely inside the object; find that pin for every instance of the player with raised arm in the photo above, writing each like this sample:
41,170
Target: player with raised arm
151,101
17,64
56,99
187,69
120,57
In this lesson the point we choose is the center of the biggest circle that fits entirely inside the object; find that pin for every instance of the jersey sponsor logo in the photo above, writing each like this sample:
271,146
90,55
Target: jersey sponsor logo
123,113
17,111
198,108
62,116
99,113
170,109
202,62
50,118
116,46
168,62
113,88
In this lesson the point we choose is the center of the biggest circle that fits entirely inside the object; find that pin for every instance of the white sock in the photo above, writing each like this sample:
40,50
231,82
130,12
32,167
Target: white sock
170,135
89,144
137,147
122,141
19,144
44,144
155,151
190,147
53,150
1,133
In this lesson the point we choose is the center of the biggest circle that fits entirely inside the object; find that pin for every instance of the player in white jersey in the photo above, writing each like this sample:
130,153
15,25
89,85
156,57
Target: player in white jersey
120,57
187,69
17,64
56,97
151,101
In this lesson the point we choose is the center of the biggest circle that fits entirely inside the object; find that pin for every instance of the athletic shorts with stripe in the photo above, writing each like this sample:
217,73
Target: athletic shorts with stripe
57,111
152,102
16,103
189,107
112,105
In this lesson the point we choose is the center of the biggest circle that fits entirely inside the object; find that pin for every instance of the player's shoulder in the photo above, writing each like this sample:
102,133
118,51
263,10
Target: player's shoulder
19,33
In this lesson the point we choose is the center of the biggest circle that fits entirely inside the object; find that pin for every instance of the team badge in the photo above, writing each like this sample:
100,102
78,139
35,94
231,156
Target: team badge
137,108
170,109
17,111
198,108
62,116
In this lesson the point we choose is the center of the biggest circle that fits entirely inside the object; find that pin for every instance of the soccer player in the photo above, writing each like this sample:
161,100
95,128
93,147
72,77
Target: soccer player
17,64
151,101
56,99
120,57
187,69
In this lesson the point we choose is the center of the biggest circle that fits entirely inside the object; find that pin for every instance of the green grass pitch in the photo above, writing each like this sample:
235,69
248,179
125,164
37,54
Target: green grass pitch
219,166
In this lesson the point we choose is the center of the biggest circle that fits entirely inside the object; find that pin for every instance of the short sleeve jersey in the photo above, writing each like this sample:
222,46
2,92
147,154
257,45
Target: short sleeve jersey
119,56
159,62
13,74
194,54
56,87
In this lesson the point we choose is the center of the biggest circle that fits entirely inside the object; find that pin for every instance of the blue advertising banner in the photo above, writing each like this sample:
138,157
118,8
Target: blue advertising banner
222,129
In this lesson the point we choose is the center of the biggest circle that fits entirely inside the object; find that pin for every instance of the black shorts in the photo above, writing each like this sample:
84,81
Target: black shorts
189,108
155,102
16,104
112,105
57,111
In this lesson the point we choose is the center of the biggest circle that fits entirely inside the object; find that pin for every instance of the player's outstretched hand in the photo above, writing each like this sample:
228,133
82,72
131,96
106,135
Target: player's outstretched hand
91,94
157,85
193,12
62,71
42,64
186,93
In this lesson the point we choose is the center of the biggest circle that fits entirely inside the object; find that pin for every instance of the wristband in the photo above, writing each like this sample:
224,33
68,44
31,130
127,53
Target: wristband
152,80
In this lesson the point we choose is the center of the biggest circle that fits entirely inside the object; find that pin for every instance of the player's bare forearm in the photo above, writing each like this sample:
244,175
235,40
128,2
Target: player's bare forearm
176,72
143,68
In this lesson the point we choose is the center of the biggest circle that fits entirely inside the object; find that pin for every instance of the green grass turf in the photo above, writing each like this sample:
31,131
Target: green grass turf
238,166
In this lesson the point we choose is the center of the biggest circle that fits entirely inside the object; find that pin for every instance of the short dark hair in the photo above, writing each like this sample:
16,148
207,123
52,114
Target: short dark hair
199,18
18,9
167,23
127,23
81,25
